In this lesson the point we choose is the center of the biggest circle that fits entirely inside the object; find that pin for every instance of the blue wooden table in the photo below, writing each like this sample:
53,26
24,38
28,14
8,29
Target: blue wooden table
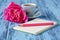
51,11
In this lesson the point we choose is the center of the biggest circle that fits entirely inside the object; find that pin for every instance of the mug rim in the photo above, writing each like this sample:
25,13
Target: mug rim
33,4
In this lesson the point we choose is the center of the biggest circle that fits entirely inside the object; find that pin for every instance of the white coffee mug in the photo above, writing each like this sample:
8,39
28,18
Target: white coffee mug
29,8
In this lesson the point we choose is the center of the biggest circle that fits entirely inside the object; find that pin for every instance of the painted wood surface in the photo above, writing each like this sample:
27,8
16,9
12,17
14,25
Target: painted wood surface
50,10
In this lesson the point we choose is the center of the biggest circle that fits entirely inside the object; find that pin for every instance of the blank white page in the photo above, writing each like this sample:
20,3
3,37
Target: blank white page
36,29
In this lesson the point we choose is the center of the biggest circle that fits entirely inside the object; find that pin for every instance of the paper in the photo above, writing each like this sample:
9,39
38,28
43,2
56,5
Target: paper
36,29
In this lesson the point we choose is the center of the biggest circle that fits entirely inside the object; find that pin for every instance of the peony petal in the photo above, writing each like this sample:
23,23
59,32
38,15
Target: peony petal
15,13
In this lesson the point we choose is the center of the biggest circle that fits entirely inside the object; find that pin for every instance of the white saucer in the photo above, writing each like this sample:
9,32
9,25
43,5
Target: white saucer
37,14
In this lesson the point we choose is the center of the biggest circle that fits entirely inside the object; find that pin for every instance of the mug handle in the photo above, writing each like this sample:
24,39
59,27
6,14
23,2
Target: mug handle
36,10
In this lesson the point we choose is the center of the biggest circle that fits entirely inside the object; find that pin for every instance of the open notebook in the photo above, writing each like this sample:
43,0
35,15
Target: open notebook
35,29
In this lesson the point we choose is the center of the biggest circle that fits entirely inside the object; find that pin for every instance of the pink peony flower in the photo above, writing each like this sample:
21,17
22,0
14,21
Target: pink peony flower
15,13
